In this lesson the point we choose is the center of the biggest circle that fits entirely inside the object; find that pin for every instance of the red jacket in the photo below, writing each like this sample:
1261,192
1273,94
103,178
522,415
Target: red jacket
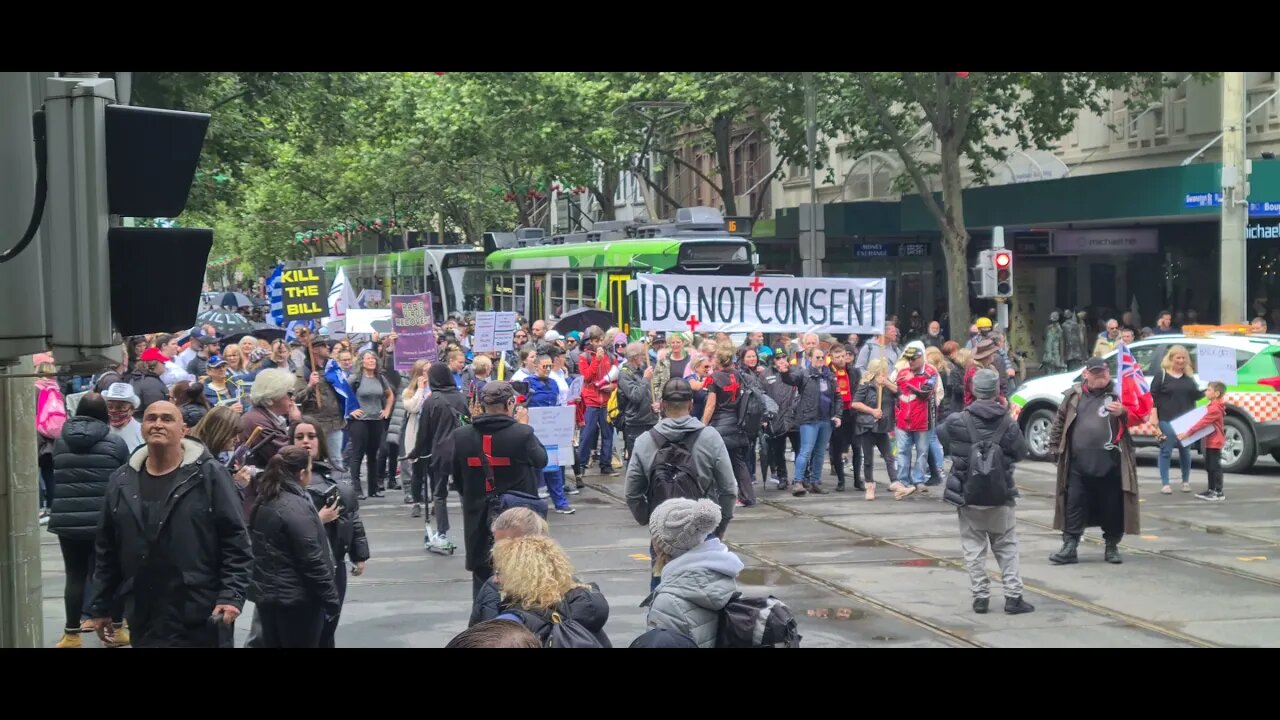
594,370
1217,418
913,410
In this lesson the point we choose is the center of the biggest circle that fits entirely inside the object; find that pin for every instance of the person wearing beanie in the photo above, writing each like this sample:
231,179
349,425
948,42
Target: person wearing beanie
442,412
984,443
699,573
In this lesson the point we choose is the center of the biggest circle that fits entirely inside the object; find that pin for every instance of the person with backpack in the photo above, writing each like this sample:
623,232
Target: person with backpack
726,392
679,459
699,574
635,393
51,414
985,443
535,580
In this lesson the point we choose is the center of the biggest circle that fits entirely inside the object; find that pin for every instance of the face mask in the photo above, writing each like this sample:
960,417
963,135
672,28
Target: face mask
120,419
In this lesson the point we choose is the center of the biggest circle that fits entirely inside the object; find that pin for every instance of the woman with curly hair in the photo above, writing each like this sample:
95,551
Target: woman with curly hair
535,580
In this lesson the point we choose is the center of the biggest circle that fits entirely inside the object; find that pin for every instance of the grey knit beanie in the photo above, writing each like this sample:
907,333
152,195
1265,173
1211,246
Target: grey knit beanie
679,525
985,383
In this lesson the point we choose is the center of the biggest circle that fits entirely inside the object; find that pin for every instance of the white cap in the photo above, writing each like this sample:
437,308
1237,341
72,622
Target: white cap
915,344
552,336
122,392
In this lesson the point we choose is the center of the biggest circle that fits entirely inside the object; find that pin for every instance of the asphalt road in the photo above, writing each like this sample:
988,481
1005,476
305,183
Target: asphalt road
873,574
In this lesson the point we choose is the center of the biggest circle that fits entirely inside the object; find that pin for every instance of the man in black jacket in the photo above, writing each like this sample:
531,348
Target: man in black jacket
639,410
985,495
172,542
499,444
444,411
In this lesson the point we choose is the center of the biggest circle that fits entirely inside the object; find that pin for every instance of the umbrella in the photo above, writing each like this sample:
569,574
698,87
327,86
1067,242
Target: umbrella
235,300
583,318
270,334
227,322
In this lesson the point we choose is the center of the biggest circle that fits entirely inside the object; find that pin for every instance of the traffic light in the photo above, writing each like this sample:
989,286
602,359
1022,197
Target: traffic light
109,160
1002,262
986,274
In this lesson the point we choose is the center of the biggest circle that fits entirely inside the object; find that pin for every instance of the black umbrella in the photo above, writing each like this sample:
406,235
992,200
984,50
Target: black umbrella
235,300
227,322
270,334
583,318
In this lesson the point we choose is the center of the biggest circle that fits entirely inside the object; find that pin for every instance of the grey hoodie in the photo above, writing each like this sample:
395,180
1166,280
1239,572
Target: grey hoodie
695,587
713,469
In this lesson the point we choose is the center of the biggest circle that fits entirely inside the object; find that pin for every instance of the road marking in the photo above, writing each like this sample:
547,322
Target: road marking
1149,537
639,556
1253,558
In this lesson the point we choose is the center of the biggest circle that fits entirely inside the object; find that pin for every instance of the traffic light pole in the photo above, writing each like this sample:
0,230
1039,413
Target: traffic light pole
1002,304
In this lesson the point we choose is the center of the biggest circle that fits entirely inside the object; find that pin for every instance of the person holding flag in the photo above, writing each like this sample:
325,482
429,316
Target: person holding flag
1097,483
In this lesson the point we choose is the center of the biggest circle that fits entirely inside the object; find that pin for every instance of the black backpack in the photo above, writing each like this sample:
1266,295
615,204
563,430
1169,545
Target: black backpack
755,408
989,478
757,622
556,628
672,473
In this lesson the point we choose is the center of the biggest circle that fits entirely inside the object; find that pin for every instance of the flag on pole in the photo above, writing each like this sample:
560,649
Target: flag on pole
338,379
275,294
1131,386
341,298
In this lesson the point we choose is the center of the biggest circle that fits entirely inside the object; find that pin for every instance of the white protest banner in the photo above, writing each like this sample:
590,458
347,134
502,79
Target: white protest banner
696,303
553,426
1183,423
1214,362
360,321
482,340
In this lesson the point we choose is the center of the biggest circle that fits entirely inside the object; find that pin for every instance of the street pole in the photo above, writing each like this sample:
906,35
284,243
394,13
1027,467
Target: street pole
813,262
1233,266
21,611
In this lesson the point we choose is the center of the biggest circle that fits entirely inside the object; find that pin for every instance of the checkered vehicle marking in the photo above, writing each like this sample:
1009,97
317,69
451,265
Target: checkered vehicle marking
1261,407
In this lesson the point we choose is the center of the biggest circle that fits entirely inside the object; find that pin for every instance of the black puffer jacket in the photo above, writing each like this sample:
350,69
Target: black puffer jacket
953,387
292,562
149,388
954,436
814,403
192,414
786,397
346,534
84,457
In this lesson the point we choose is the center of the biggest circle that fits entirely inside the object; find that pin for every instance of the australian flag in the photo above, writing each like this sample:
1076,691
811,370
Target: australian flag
338,379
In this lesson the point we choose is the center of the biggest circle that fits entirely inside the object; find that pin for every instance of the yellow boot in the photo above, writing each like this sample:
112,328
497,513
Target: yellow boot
119,636
69,640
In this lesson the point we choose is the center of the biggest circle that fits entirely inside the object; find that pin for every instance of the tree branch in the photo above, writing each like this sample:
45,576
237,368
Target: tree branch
638,171
226,100
672,154
757,207
899,144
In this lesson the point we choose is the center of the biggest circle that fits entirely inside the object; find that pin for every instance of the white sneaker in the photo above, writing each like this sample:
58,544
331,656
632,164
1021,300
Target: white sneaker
572,491
1166,490
544,493
1186,487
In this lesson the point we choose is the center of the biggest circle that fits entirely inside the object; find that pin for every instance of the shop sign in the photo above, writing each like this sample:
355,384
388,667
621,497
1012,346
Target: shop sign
1105,242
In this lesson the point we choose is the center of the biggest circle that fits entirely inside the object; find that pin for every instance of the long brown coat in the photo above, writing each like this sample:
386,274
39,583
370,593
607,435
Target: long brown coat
1060,443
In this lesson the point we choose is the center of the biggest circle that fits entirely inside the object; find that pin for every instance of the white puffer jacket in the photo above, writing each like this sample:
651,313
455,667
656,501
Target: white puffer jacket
695,587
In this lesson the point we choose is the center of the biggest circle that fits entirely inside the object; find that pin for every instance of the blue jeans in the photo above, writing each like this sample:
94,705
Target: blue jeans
814,438
1166,451
935,450
555,485
910,473
334,441
596,424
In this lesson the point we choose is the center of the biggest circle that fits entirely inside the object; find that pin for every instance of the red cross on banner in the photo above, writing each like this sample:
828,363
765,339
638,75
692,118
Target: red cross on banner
692,322
755,284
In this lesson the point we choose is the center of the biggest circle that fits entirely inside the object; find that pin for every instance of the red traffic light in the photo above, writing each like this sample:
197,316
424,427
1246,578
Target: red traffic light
1003,260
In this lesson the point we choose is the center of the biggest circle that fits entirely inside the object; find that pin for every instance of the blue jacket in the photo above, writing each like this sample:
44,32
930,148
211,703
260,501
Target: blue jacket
542,393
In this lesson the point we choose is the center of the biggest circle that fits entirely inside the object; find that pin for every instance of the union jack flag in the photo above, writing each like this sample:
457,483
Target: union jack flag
1129,368
1132,387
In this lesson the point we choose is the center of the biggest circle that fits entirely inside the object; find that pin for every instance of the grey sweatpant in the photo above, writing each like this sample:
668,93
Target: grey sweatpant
997,526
